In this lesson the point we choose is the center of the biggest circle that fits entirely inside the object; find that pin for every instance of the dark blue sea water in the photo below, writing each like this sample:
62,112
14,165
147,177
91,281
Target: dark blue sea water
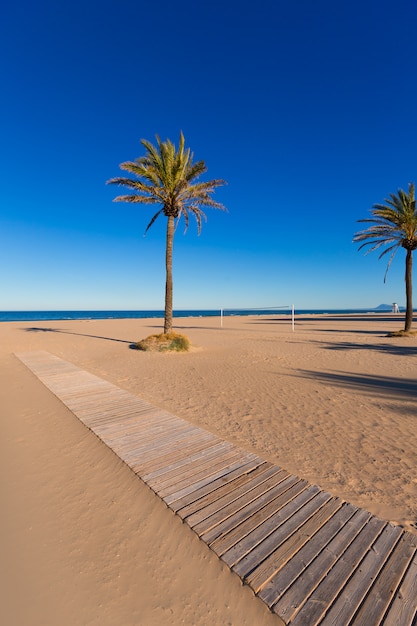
37,316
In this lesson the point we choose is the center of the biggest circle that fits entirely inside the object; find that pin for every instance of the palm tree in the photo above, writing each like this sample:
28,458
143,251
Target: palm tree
167,177
394,224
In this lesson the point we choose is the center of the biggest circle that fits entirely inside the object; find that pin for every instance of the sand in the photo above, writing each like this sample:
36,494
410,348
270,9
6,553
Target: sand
85,542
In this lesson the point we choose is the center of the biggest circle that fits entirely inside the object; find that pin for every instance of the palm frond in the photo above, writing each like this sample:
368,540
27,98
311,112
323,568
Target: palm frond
168,176
390,260
373,244
393,224
195,170
131,184
135,198
199,216
153,220
208,186
183,214
394,248
153,156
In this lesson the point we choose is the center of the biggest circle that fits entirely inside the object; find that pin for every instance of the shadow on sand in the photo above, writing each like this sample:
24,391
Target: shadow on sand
35,329
386,386
387,348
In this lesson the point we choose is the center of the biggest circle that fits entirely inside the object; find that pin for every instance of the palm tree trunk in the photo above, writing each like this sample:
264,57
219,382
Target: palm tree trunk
408,290
168,269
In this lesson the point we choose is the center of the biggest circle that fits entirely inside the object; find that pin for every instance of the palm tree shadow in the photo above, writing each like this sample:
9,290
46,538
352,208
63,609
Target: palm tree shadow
388,348
36,329
384,386
353,331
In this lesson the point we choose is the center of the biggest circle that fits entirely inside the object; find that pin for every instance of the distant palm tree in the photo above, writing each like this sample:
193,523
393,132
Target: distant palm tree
394,224
167,177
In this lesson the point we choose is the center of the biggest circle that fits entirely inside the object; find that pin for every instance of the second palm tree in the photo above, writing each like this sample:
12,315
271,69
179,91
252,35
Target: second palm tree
394,225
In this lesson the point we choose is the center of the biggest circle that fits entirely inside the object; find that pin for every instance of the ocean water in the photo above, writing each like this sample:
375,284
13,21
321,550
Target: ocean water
38,316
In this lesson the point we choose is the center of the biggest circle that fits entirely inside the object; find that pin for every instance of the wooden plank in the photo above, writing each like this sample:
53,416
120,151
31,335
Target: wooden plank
388,584
233,530
111,423
143,436
73,387
234,499
357,587
175,435
196,500
164,444
297,594
313,611
128,426
195,464
111,414
261,531
144,424
161,454
114,418
263,549
152,415
209,458
188,490
71,395
131,418
286,550
239,509
217,467
82,392
148,430
115,408
287,576
209,479
142,461
177,466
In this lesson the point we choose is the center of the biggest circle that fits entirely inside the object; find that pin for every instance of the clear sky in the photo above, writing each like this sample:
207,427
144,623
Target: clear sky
307,109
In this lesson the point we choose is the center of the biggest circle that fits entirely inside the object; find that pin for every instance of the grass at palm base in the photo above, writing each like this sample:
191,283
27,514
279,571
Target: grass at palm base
403,333
164,342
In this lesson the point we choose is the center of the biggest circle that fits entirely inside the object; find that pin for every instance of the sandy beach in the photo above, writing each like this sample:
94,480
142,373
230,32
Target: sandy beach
86,542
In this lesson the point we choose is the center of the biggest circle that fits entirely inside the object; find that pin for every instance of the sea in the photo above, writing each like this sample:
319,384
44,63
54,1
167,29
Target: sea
39,316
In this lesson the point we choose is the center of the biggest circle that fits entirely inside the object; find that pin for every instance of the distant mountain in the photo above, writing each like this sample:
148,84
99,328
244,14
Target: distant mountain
385,307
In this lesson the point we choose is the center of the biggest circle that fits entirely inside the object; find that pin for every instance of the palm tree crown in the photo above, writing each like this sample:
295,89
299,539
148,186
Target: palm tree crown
165,176
168,177
394,225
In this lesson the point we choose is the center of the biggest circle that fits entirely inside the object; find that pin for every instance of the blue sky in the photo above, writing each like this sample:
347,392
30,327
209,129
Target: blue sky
307,110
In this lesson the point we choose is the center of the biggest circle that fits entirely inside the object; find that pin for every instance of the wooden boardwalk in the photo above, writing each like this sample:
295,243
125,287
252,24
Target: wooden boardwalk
312,557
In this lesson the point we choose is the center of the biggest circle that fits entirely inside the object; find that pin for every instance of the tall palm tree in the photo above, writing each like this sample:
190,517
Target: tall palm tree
394,224
168,177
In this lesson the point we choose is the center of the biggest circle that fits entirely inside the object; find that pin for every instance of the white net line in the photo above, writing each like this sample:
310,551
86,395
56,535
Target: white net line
256,308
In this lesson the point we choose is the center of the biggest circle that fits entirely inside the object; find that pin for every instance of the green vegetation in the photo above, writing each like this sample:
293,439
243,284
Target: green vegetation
403,333
165,342
167,177
394,224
